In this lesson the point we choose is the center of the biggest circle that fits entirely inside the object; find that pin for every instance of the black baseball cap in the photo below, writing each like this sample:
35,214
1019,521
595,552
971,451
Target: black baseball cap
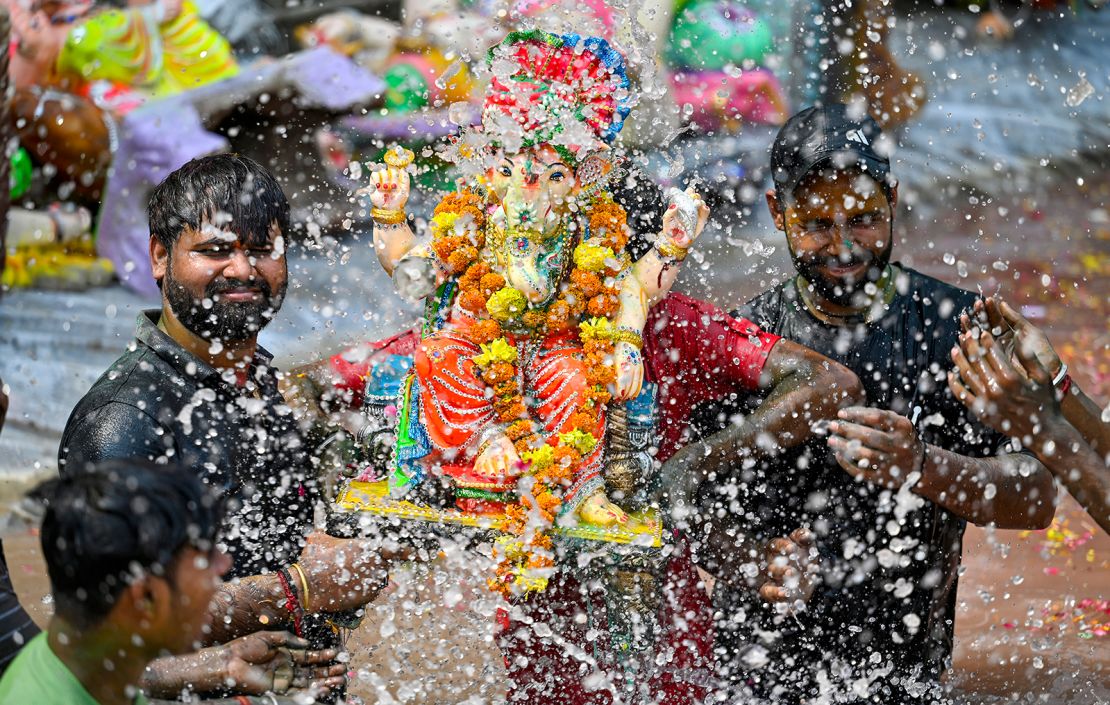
826,134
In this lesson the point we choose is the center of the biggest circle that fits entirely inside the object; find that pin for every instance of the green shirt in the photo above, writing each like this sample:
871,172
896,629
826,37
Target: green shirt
38,676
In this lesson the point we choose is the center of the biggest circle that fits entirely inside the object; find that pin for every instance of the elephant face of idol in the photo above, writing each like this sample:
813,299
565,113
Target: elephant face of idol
534,190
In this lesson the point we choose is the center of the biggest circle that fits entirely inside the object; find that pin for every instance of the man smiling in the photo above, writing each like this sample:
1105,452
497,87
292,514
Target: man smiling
852,545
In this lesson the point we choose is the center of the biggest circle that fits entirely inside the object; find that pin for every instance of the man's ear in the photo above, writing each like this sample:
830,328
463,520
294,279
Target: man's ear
159,259
776,208
893,197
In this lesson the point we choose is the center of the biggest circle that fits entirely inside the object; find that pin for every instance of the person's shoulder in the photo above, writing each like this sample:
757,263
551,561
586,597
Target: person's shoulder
764,308
115,418
37,676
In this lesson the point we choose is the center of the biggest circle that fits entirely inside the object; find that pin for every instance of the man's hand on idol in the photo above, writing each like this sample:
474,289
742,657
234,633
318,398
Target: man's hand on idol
345,574
876,445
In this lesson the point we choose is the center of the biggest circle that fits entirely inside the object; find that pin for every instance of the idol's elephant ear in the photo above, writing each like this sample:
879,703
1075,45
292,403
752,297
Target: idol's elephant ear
597,169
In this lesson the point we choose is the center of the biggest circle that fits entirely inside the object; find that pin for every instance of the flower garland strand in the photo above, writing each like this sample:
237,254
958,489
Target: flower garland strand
589,300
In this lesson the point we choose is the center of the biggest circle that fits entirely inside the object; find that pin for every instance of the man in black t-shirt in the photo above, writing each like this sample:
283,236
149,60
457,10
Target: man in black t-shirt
838,561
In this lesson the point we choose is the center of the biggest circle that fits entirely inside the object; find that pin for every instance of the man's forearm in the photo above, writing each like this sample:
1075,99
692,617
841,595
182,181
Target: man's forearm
1010,492
204,671
1084,415
247,605
1080,468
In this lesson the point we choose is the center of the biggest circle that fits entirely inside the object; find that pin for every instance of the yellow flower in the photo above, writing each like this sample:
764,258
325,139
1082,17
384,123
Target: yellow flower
592,257
443,223
595,328
540,458
506,304
498,350
581,442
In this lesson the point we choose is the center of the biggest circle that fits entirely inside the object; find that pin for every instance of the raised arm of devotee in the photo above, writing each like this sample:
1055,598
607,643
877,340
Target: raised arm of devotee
1022,402
803,388
332,575
1011,491
1010,329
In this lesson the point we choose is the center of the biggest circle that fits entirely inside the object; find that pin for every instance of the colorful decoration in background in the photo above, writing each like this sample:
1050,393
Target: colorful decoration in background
133,47
419,75
19,179
717,50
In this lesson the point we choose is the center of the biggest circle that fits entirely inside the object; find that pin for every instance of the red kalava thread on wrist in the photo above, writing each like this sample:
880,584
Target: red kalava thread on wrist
291,603
1065,386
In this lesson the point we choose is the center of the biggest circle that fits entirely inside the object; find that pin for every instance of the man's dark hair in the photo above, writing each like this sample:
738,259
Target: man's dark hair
224,190
110,522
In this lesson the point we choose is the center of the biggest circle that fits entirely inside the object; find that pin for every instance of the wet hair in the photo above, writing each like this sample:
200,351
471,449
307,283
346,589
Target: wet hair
111,522
225,190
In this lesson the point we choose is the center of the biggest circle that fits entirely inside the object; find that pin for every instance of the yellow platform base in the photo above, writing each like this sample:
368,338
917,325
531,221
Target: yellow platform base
643,528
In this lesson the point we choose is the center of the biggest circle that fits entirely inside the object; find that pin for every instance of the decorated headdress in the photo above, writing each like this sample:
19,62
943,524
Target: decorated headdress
561,89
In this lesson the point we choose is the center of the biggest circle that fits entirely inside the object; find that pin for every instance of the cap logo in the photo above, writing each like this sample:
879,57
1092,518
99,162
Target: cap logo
858,136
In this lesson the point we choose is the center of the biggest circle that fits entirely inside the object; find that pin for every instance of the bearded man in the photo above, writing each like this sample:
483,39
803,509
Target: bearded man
838,560
195,389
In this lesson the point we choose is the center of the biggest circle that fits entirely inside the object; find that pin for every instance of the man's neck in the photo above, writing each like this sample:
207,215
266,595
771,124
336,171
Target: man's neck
835,313
226,355
107,666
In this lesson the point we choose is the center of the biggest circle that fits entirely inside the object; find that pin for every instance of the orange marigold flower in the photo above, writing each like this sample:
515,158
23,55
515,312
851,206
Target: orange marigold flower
504,403
600,374
556,475
475,302
587,282
596,348
499,372
462,258
583,421
533,319
505,388
519,429
540,562
515,411
543,541
485,330
524,444
567,456
491,282
599,395
602,305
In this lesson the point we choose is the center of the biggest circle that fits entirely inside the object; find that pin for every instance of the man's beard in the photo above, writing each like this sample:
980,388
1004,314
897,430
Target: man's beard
843,291
225,321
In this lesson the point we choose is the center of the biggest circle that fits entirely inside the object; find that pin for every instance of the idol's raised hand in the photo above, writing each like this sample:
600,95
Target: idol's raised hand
389,186
684,220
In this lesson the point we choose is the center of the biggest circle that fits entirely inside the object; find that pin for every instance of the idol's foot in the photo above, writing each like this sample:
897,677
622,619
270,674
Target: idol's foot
599,511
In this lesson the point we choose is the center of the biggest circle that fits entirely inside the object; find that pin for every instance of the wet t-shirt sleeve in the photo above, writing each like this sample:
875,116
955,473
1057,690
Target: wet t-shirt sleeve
114,431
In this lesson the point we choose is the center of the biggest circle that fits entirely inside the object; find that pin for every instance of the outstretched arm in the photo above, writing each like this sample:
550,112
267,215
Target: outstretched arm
882,447
1010,329
1020,401
804,388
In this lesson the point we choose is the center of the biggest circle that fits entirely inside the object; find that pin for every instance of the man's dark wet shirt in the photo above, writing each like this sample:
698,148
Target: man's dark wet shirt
158,401
889,559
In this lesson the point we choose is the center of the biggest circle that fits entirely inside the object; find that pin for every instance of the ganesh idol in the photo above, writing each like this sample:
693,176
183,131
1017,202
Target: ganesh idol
535,311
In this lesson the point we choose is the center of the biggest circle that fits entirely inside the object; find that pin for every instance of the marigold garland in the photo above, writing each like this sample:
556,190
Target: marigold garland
458,234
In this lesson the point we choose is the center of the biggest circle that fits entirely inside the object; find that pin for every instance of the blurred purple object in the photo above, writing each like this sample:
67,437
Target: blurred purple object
164,134
425,125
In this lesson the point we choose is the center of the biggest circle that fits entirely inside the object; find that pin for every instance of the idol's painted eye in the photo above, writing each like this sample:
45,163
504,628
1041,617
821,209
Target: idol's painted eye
557,176
505,170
